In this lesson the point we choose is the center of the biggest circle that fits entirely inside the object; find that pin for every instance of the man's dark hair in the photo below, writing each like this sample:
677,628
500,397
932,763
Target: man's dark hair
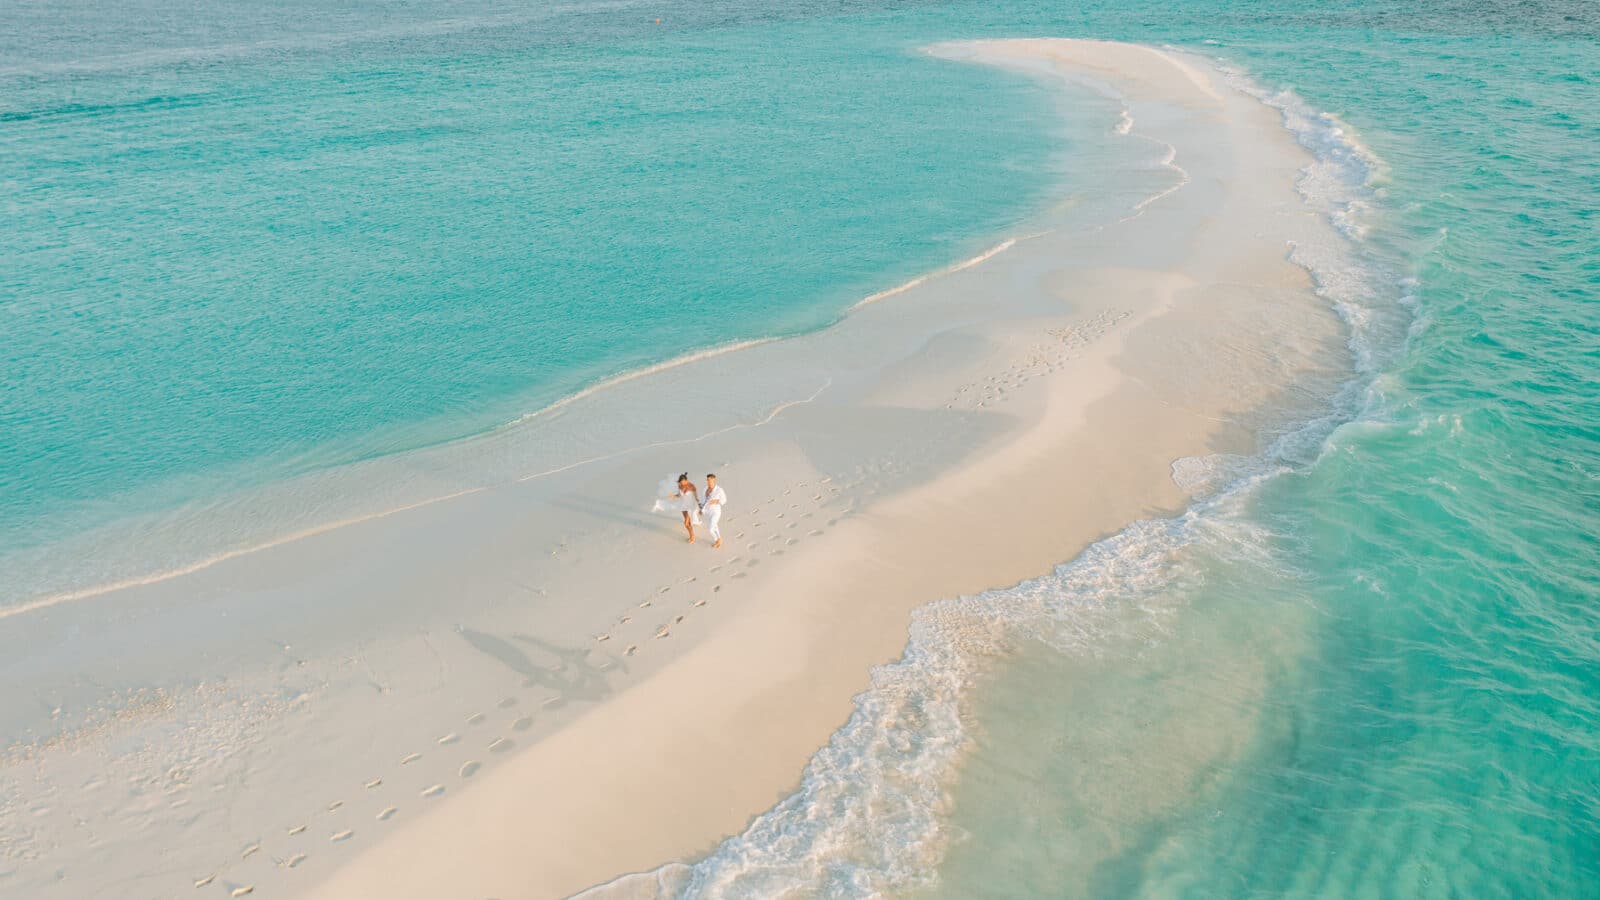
711,474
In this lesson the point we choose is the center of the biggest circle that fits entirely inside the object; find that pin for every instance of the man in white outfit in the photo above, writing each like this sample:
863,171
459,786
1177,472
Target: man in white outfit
712,508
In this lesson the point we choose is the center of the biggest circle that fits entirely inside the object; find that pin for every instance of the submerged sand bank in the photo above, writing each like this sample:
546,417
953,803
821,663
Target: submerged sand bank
532,687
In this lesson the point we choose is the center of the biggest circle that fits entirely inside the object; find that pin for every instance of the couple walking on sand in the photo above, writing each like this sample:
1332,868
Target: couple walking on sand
694,506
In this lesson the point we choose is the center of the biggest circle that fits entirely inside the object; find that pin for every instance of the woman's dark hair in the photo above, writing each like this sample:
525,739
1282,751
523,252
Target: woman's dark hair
684,477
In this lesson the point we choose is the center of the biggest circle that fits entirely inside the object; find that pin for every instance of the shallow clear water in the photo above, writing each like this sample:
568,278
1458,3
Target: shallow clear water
1371,669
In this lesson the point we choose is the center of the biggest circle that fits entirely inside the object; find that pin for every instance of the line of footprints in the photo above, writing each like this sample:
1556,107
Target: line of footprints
1063,345
768,529
341,834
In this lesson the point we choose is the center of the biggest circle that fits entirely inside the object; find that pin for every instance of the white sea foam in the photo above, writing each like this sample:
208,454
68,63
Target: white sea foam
1124,121
1343,183
868,818
1204,476
683,359
986,255
1169,160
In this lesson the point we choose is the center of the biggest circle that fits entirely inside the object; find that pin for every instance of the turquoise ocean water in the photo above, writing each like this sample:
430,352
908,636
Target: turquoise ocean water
241,244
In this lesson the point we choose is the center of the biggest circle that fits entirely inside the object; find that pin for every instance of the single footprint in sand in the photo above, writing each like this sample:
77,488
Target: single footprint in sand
700,602
449,739
470,768
476,719
602,638
625,620
792,541
341,836
778,552
294,860
501,745
719,587
202,882
522,724
632,649
248,851
554,703
645,605
410,759
373,783
507,703
242,891
433,791
334,806
664,632
387,814
663,589
753,562
740,574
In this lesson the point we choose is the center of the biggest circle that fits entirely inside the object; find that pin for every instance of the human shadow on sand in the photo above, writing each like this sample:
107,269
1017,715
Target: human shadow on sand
564,670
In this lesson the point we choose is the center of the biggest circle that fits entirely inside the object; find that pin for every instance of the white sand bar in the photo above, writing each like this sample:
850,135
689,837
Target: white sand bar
534,686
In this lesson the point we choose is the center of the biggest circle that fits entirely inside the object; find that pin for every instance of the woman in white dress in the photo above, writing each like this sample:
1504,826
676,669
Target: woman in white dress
688,501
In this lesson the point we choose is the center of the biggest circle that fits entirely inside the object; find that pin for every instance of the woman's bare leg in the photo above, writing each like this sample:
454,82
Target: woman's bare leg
688,525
